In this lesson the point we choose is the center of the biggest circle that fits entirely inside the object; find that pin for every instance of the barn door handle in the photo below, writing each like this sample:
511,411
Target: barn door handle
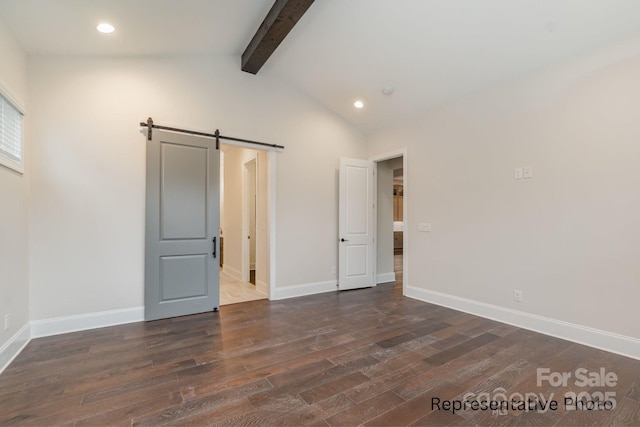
214,247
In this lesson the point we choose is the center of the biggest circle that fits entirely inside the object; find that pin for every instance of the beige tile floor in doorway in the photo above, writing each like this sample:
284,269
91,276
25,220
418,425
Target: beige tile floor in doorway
233,291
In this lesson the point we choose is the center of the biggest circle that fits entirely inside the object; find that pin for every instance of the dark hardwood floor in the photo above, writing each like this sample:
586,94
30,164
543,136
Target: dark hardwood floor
370,357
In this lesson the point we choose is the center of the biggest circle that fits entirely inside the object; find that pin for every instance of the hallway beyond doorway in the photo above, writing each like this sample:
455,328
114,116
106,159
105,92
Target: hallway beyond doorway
397,268
233,291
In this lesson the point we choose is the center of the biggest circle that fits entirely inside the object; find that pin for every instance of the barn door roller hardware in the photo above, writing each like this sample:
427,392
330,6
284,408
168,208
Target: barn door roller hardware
217,136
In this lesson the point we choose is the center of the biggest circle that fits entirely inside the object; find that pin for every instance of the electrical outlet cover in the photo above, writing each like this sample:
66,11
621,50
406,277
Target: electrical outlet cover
517,295
517,173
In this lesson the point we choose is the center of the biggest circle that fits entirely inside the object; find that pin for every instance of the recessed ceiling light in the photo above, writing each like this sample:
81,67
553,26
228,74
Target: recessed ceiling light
358,104
105,28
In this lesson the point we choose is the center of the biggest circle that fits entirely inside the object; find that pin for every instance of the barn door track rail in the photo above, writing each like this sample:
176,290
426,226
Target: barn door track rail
217,136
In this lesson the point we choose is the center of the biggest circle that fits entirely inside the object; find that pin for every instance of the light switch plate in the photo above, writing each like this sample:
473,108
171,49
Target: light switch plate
424,227
527,172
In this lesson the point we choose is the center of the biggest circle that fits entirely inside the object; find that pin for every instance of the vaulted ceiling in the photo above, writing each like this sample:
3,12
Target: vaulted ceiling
429,51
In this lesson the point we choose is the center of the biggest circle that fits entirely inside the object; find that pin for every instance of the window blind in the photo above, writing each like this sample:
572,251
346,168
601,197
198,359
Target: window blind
10,131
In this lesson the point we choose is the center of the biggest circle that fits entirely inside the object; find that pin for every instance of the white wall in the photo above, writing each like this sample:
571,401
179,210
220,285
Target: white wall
569,237
307,199
14,293
263,222
87,196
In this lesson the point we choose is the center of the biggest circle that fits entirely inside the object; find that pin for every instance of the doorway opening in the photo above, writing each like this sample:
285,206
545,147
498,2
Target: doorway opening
391,219
244,224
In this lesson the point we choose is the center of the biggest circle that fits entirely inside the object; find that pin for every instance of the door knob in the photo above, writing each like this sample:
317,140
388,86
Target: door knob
343,240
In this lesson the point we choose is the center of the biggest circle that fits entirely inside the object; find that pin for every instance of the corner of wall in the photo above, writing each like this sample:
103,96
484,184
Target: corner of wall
12,348
14,191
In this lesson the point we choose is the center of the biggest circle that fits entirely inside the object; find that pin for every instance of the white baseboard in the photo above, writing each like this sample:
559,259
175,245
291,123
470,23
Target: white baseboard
614,343
305,289
262,287
83,322
14,346
232,272
386,277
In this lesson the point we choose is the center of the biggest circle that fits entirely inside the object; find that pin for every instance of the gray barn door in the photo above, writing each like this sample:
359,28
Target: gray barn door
182,225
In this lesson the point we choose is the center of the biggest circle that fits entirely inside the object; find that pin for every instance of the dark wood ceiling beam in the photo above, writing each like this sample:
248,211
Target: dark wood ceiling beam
280,20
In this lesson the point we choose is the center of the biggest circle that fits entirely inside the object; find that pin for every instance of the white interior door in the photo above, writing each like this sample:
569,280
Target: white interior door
356,250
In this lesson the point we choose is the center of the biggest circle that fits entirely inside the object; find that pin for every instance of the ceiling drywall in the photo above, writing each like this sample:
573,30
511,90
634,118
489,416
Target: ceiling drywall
143,27
429,51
